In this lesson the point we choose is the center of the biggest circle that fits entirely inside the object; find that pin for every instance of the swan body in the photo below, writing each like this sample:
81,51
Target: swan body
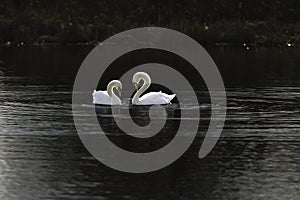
108,97
151,98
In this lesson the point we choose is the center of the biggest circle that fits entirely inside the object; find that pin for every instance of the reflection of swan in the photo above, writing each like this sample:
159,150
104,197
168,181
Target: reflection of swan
151,98
108,97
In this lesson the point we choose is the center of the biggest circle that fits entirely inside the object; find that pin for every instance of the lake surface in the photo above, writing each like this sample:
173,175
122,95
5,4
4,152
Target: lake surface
257,156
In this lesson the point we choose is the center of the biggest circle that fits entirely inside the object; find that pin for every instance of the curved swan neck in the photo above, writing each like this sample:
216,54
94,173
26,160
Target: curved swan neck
145,86
110,92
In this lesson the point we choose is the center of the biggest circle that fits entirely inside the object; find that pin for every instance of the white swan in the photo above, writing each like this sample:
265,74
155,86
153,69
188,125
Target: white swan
151,98
108,97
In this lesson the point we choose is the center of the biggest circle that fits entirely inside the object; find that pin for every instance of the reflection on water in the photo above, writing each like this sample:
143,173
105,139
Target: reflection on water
41,155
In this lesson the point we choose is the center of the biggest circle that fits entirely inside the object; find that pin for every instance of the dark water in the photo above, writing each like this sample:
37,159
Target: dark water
257,157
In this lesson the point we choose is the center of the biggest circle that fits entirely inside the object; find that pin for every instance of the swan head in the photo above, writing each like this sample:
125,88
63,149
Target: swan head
114,84
137,77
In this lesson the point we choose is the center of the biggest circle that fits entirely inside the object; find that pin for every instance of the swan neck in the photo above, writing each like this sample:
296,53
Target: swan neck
145,86
110,92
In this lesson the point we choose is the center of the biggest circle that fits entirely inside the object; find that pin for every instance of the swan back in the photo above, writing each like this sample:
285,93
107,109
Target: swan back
101,97
155,98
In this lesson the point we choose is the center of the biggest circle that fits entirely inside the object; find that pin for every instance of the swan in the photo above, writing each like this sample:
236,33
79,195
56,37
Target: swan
151,98
108,97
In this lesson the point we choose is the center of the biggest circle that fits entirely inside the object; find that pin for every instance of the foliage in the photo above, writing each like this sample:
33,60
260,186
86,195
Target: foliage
267,22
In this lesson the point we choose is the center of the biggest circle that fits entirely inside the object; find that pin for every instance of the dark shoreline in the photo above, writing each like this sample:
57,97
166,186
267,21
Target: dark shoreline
93,44
250,23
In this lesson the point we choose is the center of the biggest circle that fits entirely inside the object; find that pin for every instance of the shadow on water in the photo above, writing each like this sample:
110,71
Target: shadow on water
139,115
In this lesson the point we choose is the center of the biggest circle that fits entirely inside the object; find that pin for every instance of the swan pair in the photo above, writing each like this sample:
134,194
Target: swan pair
152,98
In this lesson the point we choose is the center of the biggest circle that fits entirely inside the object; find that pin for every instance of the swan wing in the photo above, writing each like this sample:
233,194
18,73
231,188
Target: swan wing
155,98
168,97
101,97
